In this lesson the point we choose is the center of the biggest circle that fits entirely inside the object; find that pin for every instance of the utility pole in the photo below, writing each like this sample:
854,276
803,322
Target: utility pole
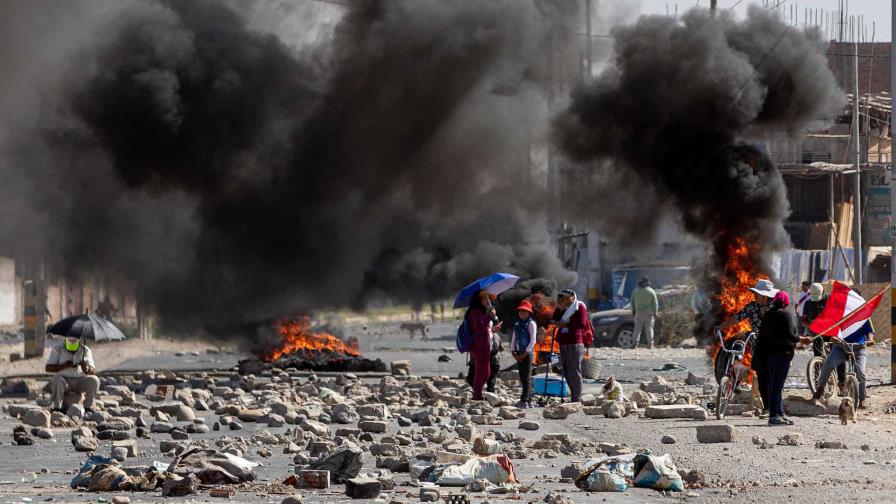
892,201
588,40
857,185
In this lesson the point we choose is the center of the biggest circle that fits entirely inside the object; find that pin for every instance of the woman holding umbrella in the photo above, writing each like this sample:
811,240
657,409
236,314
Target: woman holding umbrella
479,319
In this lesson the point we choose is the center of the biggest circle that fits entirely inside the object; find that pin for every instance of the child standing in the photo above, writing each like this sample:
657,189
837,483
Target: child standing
522,346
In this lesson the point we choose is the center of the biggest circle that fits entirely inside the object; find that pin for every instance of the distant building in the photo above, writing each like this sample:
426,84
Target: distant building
818,168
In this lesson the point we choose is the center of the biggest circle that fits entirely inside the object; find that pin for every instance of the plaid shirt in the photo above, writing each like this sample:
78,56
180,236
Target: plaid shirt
751,311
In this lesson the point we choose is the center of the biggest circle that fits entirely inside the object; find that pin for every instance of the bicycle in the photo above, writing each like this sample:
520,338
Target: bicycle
734,371
813,368
851,382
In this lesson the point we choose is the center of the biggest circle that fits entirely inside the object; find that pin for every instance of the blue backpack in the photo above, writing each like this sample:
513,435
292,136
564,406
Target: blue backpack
464,339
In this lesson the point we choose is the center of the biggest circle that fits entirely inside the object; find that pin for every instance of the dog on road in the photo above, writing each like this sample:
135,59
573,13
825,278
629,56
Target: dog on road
413,328
847,411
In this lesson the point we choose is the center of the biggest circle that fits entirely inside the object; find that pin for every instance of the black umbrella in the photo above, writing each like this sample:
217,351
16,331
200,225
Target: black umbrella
87,327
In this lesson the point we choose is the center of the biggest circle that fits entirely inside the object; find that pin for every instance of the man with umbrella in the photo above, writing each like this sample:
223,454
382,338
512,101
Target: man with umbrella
72,362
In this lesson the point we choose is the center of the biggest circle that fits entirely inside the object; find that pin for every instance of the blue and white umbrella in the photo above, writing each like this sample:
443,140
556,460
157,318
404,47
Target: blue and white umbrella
494,284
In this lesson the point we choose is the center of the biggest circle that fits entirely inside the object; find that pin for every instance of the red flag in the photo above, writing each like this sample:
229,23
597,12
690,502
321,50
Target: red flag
845,312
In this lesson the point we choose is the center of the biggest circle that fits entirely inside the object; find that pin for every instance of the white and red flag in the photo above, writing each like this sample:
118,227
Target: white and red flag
845,312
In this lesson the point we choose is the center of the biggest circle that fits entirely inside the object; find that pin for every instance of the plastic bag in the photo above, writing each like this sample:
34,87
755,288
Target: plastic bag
657,472
82,479
603,480
607,474
330,396
495,469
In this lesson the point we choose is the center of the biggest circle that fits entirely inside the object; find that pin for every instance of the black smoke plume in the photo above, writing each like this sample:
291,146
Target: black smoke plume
235,176
674,113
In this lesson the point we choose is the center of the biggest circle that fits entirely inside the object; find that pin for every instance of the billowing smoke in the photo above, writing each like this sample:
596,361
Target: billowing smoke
236,176
673,115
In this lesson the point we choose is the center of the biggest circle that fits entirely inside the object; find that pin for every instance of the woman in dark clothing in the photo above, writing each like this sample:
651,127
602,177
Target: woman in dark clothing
773,353
479,318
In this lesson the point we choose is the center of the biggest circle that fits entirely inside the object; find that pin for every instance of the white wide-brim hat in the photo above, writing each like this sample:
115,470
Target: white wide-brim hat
765,288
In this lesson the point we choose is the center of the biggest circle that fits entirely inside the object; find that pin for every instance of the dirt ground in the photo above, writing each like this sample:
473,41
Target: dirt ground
738,472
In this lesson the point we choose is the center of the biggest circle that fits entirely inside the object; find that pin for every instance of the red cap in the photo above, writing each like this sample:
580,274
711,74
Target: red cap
783,297
525,306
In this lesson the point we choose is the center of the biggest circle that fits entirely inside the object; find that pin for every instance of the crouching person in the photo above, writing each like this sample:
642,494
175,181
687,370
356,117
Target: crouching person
74,370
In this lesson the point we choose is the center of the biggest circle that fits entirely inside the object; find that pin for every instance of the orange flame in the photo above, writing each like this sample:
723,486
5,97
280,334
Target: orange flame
297,335
738,277
543,307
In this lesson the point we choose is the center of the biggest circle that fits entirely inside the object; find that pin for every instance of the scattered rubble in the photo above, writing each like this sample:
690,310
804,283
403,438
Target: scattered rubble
831,445
721,433
791,439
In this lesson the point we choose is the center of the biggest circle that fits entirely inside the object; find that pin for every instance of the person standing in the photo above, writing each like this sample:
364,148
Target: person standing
522,347
571,317
479,320
71,363
644,308
805,295
494,360
773,352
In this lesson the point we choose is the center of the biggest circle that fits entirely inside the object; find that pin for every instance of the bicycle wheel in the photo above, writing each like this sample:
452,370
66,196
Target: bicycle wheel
813,372
852,389
723,396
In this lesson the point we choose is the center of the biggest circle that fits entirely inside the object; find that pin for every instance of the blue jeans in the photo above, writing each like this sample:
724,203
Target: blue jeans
838,356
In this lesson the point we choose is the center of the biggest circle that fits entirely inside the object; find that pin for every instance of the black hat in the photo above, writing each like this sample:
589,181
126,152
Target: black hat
568,293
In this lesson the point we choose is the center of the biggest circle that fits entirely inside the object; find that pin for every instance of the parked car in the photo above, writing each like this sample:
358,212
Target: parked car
614,327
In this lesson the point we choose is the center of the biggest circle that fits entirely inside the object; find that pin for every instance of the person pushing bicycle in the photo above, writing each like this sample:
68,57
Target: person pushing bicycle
763,292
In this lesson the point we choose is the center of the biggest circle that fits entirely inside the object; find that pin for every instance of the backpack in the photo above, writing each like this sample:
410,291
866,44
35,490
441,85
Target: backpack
588,337
464,338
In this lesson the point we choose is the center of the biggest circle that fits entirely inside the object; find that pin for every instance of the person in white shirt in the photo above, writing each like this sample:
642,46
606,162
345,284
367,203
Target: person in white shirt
71,361
522,346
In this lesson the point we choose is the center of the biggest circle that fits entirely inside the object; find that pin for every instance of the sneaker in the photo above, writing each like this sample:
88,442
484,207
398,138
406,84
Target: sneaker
776,420
787,419
862,405
763,415
522,405
529,404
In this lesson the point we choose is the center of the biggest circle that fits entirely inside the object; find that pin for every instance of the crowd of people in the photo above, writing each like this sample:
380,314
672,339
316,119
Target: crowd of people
573,327
780,330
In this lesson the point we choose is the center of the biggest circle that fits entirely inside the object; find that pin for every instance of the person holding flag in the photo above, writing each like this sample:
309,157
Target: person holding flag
846,316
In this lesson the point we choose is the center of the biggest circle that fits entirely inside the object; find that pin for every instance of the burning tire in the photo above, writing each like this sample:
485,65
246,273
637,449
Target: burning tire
625,337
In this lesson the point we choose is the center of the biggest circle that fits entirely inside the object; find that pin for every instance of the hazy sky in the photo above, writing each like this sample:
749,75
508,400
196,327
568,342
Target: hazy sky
877,11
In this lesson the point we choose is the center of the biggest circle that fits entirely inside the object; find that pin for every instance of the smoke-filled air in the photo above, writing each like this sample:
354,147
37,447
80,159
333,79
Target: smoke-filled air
240,160
677,110
238,174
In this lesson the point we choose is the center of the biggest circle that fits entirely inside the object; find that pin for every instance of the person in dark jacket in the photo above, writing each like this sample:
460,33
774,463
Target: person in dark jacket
773,353
571,317
479,317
